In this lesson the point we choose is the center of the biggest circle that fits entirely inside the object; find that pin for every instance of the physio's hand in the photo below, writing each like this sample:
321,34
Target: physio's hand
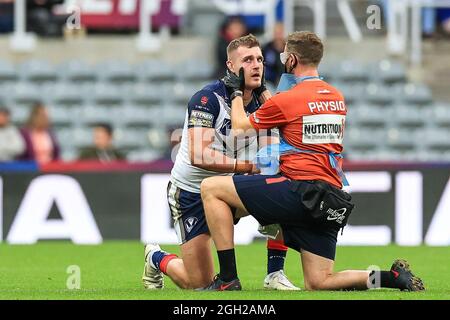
233,81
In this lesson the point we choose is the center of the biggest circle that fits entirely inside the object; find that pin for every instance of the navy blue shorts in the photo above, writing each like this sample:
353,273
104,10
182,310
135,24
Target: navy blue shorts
187,212
269,200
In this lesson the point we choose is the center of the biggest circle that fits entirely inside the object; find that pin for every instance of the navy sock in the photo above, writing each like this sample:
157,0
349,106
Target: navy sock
227,262
275,260
157,257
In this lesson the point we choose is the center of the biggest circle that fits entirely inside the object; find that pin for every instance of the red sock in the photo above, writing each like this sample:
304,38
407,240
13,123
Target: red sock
165,261
276,245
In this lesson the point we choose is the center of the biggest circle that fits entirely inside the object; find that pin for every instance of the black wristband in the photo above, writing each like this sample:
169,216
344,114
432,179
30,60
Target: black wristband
235,94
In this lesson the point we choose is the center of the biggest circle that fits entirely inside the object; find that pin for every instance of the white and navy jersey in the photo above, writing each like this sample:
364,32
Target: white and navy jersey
211,108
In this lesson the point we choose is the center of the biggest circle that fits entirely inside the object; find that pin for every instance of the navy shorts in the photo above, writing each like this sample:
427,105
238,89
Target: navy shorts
269,200
187,213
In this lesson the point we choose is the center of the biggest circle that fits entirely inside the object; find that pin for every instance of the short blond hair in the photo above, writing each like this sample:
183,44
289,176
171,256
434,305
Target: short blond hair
307,46
248,41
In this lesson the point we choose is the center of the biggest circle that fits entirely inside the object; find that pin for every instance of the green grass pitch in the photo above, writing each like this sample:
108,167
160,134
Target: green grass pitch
113,271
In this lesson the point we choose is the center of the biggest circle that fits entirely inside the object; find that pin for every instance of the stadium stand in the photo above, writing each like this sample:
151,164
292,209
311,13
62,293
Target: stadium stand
387,114
391,116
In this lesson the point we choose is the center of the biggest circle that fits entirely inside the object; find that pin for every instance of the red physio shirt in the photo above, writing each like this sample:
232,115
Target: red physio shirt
310,116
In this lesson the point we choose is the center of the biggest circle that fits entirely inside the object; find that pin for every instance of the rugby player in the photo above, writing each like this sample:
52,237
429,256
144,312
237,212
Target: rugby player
306,198
208,149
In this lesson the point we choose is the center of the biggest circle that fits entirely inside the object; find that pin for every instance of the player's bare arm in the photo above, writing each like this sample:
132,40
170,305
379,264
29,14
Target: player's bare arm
203,156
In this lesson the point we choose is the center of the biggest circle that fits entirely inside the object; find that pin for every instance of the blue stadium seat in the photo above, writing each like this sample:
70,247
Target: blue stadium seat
135,116
408,116
353,93
438,114
64,94
363,139
370,115
8,72
412,93
61,116
403,139
388,72
155,71
145,94
352,71
38,71
379,94
77,71
19,114
25,93
195,70
129,139
107,94
90,114
116,71
437,139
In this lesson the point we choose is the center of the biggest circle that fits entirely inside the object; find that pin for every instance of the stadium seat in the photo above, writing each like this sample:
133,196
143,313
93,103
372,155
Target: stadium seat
411,93
143,155
182,91
407,116
64,94
130,139
327,70
135,116
107,94
171,116
25,93
159,139
61,116
91,114
358,139
437,139
195,70
438,114
402,139
8,72
155,71
352,71
19,114
38,71
379,94
388,72
77,71
69,154
353,93
82,137
370,115
116,71
145,94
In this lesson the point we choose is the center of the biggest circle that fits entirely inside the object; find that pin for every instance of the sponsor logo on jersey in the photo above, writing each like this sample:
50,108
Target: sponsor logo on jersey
325,128
201,119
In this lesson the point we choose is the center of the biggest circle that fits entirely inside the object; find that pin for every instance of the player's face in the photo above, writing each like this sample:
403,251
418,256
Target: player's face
251,59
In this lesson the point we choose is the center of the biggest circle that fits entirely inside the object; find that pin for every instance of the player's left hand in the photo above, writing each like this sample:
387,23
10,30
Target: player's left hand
233,81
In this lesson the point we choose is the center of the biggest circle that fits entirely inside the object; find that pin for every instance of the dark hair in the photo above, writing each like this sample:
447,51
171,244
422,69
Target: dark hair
248,41
37,107
106,126
307,46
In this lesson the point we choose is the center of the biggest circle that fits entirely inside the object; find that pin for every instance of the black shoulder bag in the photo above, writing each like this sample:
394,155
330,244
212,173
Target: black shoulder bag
325,203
